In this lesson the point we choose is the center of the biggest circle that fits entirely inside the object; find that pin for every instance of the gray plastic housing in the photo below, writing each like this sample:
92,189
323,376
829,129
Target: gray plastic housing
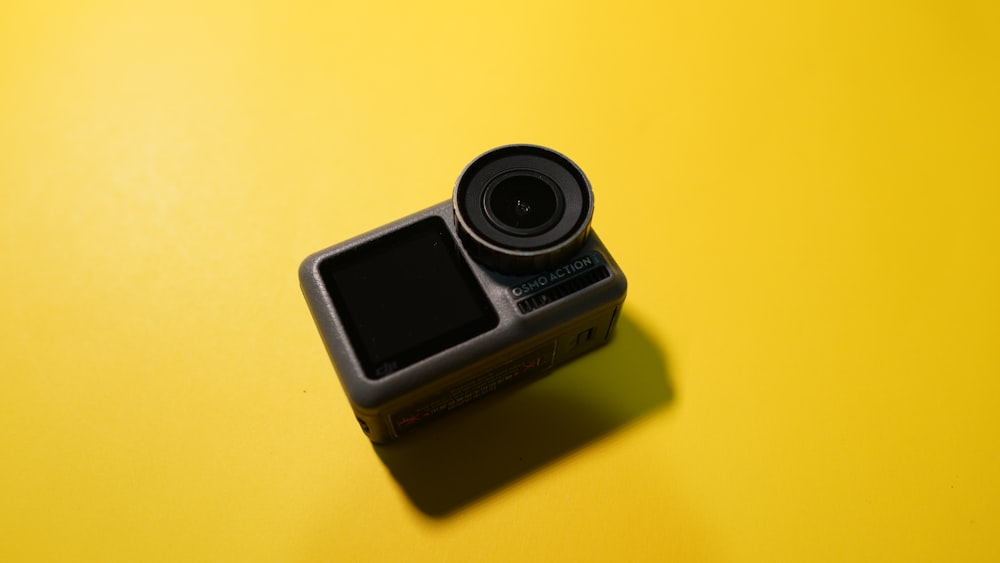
574,308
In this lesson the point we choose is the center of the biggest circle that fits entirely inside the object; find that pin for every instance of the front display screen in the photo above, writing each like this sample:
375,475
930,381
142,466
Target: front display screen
406,296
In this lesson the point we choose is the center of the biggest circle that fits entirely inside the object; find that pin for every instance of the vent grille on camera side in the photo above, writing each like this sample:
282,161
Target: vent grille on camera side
564,289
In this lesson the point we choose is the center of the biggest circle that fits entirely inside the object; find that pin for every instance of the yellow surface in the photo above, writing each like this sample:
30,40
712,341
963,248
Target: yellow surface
805,196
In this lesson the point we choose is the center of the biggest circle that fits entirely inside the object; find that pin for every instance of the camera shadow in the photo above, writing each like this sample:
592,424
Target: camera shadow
479,449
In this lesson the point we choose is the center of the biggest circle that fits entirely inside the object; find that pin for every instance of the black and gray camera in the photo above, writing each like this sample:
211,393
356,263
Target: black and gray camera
496,287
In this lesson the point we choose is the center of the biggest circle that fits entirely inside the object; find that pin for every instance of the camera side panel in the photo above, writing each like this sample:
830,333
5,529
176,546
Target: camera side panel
510,369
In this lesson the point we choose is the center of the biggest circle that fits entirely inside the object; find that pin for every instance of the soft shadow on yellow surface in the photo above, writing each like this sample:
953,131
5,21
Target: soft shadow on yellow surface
476,451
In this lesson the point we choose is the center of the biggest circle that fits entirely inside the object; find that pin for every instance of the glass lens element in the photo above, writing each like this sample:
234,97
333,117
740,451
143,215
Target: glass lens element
523,202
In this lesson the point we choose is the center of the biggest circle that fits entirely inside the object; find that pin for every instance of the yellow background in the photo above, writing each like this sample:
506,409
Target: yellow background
804,195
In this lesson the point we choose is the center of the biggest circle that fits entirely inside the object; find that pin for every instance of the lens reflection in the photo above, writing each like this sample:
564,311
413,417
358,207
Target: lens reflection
523,202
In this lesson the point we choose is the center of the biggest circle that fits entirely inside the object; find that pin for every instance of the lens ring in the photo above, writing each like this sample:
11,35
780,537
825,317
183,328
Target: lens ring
576,196
503,245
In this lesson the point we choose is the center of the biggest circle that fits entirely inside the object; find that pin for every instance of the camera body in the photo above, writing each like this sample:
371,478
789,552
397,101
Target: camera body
494,288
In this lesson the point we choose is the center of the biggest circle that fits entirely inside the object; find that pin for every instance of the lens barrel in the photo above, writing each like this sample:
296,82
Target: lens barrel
522,208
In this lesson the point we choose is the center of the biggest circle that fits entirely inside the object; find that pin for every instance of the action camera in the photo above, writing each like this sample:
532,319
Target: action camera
491,289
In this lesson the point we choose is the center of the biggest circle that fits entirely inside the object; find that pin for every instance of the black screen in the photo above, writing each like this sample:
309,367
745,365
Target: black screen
406,296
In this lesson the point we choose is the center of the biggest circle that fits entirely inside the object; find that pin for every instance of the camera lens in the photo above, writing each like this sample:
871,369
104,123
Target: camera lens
521,203
522,208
